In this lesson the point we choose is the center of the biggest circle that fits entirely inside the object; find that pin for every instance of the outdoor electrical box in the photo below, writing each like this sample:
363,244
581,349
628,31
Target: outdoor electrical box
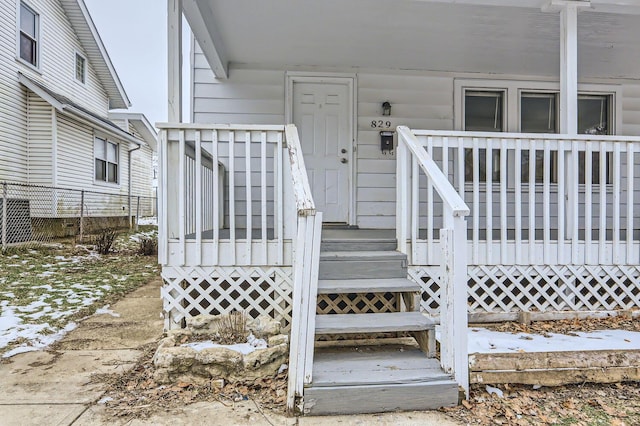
386,142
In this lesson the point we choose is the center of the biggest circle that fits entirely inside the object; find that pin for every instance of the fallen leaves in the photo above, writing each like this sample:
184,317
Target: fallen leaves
135,394
615,404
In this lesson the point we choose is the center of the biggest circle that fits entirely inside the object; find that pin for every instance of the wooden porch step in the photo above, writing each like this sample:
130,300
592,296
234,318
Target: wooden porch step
358,244
362,264
364,285
377,379
372,323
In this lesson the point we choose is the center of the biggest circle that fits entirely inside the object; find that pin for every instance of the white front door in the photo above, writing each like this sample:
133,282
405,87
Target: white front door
322,115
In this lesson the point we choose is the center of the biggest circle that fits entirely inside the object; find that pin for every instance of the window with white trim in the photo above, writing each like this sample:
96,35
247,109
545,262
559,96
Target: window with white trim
28,38
483,112
539,114
81,68
594,116
106,160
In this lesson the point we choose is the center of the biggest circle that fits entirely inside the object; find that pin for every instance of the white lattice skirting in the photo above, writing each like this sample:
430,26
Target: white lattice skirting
190,291
513,288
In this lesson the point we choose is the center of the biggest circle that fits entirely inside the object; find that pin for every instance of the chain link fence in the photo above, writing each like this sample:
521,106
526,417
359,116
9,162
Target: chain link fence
35,214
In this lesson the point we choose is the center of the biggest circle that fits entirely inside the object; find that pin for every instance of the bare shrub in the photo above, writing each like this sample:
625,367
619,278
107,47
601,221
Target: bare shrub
233,328
148,246
103,242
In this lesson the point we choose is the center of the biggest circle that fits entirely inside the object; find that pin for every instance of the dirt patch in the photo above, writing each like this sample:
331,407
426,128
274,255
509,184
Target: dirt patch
135,394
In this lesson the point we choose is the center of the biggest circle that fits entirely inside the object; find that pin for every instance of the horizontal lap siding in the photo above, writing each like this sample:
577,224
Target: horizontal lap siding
57,55
76,161
40,141
58,44
142,172
13,101
420,101
417,101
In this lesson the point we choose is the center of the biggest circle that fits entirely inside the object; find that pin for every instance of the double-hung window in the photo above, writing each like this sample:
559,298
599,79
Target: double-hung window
594,118
483,112
28,41
106,160
539,114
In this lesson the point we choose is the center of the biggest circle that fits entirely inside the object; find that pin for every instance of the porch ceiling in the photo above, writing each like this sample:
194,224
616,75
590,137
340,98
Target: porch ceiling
437,35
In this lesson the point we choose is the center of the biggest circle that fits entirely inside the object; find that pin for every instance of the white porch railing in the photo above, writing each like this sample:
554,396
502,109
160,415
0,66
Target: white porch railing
553,223
221,193
231,212
239,230
414,163
537,199
305,273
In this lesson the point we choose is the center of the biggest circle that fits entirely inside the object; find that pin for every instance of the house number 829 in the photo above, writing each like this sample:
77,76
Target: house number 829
375,124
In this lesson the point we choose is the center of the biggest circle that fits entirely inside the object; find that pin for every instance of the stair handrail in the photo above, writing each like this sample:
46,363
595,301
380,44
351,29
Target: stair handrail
306,258
453,244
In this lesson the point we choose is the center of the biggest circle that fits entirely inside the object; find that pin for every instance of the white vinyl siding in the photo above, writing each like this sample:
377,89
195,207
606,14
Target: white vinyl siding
76,160
58,44
419,100
13,101
40,131
142,172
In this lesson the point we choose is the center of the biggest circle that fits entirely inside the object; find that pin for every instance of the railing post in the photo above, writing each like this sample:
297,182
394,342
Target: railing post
402,194
5,192
453,299
81,216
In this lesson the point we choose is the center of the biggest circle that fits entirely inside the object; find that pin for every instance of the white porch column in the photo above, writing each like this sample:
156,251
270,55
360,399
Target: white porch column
174,57
568,61
569,69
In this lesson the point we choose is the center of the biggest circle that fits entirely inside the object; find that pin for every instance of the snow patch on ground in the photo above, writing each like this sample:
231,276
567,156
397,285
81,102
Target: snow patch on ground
106,311
148,221
244,348
482,340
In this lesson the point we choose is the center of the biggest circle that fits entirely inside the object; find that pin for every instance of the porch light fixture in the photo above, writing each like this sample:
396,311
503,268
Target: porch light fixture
386,108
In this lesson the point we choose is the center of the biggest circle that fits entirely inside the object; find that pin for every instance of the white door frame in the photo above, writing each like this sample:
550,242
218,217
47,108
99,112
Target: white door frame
349,80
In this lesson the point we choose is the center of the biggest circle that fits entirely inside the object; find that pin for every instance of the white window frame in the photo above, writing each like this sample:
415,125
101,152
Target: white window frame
75,68
512,106
38,38
107,141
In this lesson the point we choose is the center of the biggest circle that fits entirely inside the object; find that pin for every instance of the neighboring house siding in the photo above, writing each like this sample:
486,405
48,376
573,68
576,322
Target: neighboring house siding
141,163
13,104
58,47
40,141
76,160
141,172
58,44
419,100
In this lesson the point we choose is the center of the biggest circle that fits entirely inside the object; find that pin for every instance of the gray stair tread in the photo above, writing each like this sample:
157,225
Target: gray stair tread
327,400
372,323
386,365
367,285
370,255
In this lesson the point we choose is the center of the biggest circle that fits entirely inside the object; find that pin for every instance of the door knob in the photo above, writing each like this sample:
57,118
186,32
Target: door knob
344,151
343,160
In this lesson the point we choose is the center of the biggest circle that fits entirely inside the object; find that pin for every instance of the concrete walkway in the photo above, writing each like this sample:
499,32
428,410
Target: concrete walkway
55,387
